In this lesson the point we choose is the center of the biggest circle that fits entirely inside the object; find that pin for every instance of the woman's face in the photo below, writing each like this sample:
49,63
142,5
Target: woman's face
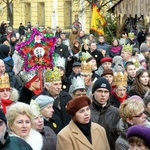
86,47
115,43
83,115
36,84
76,44
139,118
137,146
21,125
5,94
120,91
38,123
144,79
47,111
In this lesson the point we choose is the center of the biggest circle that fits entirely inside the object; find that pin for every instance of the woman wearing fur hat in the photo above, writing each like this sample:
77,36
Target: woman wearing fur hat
20,117
81,133
8,95
31,86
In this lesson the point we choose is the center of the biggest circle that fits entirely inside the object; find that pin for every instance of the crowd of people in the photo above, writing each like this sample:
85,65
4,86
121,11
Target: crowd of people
95,97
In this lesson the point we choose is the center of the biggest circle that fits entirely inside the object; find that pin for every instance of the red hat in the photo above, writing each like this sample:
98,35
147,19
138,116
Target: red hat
106,59
77,103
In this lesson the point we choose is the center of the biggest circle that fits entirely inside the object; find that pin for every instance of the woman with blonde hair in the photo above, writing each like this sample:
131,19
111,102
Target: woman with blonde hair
20,119
132,112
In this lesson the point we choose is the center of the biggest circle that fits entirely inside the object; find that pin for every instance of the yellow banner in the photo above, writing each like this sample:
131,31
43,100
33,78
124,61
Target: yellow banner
97,20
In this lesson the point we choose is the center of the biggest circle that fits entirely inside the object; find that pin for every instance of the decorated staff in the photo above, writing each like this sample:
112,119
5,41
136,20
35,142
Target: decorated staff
37,51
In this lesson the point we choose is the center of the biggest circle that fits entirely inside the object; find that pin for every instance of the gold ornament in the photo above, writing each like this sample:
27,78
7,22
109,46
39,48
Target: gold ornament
84,56
127,48
86,67
52,75
120,79
4,81
35,108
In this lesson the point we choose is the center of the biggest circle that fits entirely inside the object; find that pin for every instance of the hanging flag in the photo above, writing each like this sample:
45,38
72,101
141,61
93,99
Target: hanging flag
97,20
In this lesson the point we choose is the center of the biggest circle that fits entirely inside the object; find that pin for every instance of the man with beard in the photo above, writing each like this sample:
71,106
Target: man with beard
10,142
131,73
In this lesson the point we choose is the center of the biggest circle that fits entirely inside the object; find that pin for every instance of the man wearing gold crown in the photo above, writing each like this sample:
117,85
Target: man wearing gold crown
126,53
53,84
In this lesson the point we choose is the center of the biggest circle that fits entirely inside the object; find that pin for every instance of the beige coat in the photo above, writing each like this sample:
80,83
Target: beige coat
71,138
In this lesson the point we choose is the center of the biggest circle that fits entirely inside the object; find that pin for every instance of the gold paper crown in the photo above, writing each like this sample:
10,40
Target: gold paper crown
52,75
86,67
136,62
35,108
4,81
86,41
131,35
120,79
127,48
84,56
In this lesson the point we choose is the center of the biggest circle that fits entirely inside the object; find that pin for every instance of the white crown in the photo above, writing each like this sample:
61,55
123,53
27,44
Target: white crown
60,62
77,83
27,76
35,108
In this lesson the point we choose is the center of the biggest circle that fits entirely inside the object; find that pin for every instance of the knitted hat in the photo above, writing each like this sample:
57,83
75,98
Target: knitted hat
106,59
144,48
4,51
44,100
2,116
107,71
77,103
101,83
136,97
141,132
116,59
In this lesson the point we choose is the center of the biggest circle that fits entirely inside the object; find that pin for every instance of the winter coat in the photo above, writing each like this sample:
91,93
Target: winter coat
73,139
54,123
62,50
66,82
14,143
108,117
34,139
103,46
121,142
113,54
63,97
97,55
49,139
26,95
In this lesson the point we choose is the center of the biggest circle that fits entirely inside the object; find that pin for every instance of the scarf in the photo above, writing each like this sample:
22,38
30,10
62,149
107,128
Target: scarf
120,99
115,49
85,129
5,103
36,92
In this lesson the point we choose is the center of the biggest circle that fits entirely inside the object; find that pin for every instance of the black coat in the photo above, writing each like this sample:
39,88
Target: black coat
62,98
66,82
26,95
114,101
62,50
97,55
54,123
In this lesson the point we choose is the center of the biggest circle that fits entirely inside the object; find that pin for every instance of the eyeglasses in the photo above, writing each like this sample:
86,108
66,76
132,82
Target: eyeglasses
140,115
3,90
1,123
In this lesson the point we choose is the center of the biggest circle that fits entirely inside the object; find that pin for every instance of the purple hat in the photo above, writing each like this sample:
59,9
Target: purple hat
141,132
136,97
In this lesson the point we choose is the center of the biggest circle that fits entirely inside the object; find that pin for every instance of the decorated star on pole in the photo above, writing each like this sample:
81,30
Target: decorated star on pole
37,51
